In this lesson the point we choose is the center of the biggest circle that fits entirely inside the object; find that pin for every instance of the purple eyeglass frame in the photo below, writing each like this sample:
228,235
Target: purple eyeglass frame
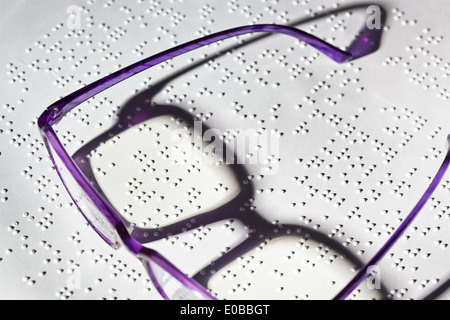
362,46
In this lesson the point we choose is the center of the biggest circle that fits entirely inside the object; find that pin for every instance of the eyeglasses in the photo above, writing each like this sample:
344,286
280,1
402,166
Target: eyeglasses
117,231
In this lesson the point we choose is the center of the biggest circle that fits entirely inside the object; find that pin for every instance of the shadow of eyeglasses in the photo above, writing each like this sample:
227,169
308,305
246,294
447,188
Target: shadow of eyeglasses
439,291
140,108
259,228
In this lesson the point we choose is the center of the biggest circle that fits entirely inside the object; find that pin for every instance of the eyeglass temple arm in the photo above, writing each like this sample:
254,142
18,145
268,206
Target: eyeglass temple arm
363,273
55,112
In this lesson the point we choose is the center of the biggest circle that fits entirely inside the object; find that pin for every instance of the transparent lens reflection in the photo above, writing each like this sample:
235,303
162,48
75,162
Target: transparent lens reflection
169,287
84,203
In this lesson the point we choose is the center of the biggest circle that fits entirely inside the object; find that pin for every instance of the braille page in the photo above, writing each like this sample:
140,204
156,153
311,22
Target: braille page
335,156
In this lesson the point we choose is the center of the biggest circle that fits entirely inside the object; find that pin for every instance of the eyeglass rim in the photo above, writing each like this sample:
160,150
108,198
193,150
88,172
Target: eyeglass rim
53,114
